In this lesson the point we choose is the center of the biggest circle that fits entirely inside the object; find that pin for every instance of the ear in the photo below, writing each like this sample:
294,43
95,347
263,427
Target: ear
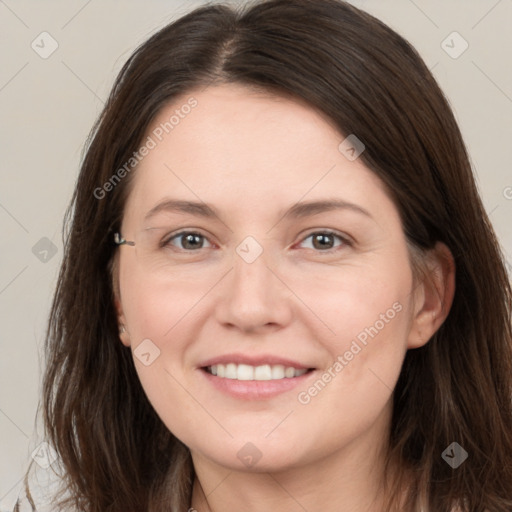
433,296
124,334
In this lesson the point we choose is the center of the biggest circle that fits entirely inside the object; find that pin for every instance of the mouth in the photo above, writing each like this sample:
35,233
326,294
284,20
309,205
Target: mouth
256,378
246,372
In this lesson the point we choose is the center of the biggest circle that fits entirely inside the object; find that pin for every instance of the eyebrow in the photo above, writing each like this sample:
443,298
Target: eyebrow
298,210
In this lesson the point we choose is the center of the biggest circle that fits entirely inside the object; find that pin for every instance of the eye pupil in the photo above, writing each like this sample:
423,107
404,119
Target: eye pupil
191,239
324,241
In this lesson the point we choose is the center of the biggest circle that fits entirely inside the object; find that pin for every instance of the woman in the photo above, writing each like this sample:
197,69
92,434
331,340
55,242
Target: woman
280,288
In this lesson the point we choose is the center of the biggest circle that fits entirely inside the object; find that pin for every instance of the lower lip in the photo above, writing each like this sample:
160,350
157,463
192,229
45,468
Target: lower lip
255,389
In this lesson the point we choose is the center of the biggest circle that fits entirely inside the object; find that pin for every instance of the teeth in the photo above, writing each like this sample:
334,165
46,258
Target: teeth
263,372
278,371
248,372
245,372
231,372
289,373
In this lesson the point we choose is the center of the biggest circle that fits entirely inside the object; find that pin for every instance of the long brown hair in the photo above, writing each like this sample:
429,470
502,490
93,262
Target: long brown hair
116,452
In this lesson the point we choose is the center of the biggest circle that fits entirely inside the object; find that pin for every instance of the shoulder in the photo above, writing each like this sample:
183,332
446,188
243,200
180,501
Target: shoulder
43,487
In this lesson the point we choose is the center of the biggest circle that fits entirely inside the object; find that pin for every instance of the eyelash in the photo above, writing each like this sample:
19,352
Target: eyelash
345,241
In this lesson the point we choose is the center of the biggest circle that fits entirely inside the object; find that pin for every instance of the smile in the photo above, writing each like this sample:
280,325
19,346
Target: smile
247,372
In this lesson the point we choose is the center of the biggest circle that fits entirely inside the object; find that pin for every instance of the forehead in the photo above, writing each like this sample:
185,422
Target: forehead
248,150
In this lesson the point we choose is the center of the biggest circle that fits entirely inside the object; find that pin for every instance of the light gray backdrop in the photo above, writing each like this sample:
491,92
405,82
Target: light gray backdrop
58,62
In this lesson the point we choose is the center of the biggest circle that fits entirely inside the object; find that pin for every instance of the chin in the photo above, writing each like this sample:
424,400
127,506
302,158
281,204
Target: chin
252,454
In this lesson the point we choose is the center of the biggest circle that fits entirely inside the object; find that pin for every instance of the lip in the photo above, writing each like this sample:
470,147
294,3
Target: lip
258,360
255,389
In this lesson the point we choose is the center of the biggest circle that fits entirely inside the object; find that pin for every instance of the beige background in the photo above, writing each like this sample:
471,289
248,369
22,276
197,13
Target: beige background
49,105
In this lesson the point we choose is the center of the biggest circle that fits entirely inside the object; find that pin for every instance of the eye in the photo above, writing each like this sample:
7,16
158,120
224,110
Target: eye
190,241
325,240
187,241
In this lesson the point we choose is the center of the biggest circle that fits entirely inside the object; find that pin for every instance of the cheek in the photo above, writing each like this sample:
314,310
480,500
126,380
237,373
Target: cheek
362,303
156,303
367,312
157,315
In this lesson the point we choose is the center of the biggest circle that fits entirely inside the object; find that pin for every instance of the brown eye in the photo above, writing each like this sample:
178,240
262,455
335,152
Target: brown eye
188,241
325,240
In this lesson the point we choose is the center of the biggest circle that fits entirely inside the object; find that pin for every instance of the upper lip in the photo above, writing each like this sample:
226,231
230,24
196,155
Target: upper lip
254,360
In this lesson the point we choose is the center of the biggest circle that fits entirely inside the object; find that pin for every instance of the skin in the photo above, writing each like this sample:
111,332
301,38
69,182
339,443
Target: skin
251,156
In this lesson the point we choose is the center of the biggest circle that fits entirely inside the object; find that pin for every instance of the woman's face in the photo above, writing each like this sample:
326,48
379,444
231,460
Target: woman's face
294,287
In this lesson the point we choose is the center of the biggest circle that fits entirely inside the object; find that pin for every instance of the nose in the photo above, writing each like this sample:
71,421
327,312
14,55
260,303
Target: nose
254,298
